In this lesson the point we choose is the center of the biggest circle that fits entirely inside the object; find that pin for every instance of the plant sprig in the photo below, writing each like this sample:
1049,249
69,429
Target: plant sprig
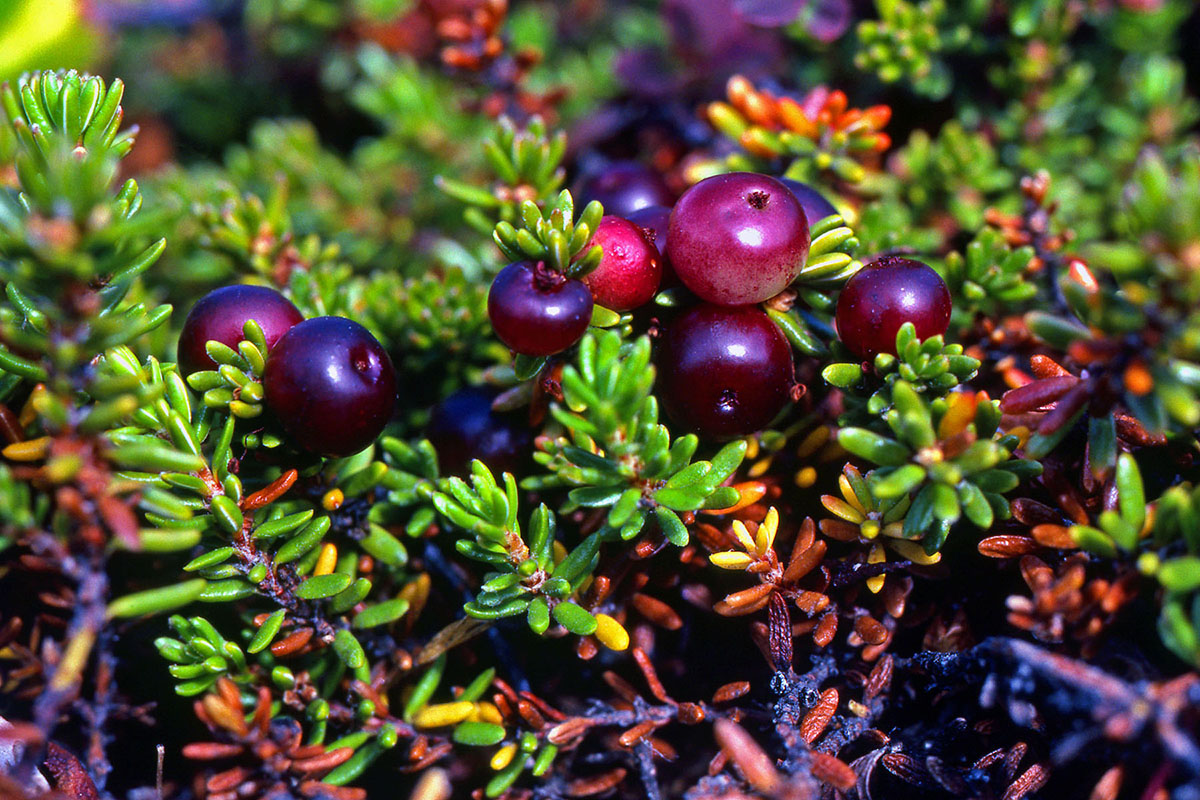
554,236
617,454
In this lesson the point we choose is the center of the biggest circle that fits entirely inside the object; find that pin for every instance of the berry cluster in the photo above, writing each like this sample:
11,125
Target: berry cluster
327,382
460,485
734,241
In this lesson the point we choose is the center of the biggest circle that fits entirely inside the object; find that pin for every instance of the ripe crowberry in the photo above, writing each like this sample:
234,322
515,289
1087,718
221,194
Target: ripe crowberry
464,426
884,295
738,238
630,270
220,316
725,371
624,187
537,311
331,385
653,220
815,206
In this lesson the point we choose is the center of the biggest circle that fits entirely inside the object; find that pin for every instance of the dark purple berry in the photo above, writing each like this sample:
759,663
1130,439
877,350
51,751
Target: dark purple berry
769,13
738,239
624,187
220,315
815,206
884,295
464,426
331,385
537,311
630,270
725,371
653,220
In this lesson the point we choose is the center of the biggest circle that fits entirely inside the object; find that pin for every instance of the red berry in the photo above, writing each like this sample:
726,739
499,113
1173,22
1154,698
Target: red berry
624,187
464,426
331,385
815,206
629,273
220,315
725,371
737,239
537,311
884,295
653,220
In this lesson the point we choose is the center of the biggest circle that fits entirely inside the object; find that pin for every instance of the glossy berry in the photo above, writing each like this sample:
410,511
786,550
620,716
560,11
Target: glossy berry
464,427
331,385
653,220
624,187
737,239
630,270
537,311
725,371
221,314
815,206
884,295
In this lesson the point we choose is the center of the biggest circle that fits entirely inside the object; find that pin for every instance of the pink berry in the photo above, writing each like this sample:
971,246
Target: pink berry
630,271
653,220
738,239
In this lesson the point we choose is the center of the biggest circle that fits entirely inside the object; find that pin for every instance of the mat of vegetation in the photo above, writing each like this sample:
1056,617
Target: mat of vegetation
705,399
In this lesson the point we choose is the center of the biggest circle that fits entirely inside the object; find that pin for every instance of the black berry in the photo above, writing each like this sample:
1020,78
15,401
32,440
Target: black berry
725,371
884,295
331,385
464,426
815,206
221,314
624,187
537,311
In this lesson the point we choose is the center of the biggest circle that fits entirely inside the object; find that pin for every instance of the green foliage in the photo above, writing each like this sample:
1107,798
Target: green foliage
354,201
1176,531
989,277
1163,539
1119,528
615,453
888,224
930,367
258,239
554,236
830,262
37,35
319,615
906,42
434,324
69,129
957,172
1159,223
1161,387
525,577
949,454
236,385
527,167
200,656
68,225
17,511
292,29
